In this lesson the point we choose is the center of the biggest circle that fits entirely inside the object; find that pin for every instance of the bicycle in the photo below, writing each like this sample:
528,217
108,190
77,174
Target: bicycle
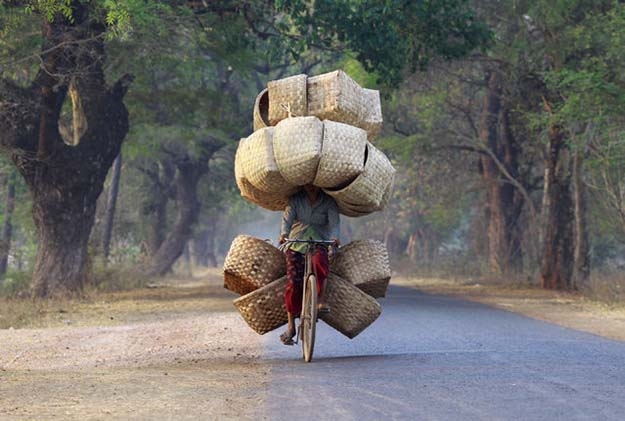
308,315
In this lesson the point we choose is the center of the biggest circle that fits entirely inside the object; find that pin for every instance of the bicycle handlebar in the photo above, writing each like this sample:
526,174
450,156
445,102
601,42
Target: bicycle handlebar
295,240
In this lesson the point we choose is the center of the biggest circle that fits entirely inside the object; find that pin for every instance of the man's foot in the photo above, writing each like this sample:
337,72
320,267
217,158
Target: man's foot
287,337
323,308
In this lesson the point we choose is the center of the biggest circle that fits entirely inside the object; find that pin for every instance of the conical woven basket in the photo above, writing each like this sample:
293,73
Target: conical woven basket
259,164
367,192
365,264
272,201
351,310
264,309
372,121
287,98
342,154
297,148
261,110
337,97
252,263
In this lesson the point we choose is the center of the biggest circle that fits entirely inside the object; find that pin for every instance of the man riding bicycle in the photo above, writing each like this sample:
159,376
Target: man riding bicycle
310,215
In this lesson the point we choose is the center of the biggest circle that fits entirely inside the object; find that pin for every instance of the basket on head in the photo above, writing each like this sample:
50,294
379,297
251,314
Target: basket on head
368,192
297,148
259,164
287,98
274,201
261,110
342,154
372,121
352,311
337,97
264,309
252,263
365,264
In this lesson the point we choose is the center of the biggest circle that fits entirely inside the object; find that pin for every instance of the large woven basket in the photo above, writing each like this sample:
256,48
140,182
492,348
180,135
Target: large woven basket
365,264
287,98
373,120
335,96
297,148
351,310
261,110
342,155
368,191
264,309
252,263
259,164
272,201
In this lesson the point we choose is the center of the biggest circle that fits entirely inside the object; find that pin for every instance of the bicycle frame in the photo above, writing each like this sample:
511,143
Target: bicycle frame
308,317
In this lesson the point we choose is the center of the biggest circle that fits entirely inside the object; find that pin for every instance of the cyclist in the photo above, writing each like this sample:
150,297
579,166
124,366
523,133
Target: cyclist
310,215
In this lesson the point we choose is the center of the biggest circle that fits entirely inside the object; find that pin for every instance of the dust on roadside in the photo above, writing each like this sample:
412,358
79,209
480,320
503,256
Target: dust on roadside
166,352
568,309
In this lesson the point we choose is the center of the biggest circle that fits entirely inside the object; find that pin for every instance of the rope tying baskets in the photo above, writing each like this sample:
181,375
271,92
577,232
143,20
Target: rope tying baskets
287,98
352,310
365,264
264,309
367,192
252,263
297,148
342,154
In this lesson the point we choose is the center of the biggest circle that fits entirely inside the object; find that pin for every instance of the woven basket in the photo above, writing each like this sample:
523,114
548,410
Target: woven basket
342,155
264,309
287,98
297,148
365,264
367,192
372,121
337,97
352,311
252,263
261,110
259,164
272,201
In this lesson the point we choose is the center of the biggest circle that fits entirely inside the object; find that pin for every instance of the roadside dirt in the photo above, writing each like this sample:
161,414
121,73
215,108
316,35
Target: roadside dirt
181,351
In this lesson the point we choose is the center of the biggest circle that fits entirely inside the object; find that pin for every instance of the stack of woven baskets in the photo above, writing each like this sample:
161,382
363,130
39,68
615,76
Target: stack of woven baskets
313,130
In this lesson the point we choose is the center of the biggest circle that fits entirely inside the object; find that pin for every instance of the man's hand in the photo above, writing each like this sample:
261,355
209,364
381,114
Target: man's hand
336,242
281,239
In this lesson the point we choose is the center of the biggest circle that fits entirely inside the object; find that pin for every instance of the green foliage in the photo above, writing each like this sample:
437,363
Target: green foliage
15,284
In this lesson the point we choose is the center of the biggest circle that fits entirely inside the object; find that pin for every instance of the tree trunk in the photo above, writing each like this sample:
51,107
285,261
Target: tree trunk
7,226
65,180
557,260
111,203
581,254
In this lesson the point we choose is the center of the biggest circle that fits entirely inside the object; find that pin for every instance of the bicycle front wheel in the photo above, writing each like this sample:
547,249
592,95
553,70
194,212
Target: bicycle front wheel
309,317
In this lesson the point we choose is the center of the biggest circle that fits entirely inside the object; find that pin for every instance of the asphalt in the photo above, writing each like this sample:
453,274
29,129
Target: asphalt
431,357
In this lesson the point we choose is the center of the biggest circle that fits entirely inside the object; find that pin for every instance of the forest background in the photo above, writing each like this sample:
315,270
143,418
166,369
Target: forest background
119,121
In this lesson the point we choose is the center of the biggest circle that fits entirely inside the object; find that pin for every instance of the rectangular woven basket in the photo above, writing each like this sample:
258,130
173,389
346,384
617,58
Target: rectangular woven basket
264,309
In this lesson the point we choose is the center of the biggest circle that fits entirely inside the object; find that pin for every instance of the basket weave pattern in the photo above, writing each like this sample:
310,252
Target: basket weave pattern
252,263
365,264
287,98
336,96
261,110
264,309
297,148
372,122
342,154
352,311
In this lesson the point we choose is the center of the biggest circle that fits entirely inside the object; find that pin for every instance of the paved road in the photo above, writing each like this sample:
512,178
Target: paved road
437,358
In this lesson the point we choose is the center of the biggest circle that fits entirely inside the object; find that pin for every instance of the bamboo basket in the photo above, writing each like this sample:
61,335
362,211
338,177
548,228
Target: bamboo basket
342,154
261,110
287,98
372,122
264,309
259,165
337,97
368,192
351,310
252,263
297,145
274,201
365,264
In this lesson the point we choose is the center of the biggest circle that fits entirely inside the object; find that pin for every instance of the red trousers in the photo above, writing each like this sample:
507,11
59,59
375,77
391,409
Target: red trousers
295,265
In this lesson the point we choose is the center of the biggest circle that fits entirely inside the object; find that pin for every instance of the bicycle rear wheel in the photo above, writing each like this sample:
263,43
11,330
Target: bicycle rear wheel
309,317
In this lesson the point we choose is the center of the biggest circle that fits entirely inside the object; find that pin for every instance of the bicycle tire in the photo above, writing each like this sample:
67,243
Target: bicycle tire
309,317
